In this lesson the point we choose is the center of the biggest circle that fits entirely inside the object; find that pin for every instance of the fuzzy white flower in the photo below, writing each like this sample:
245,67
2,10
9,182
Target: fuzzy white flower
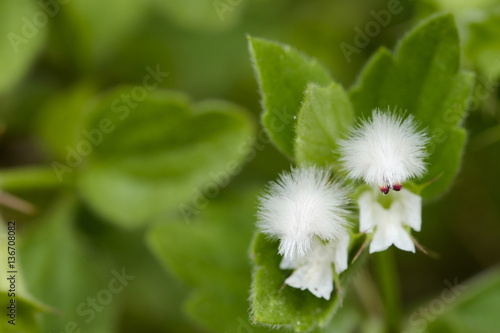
300,206
385,150
314,271
388,225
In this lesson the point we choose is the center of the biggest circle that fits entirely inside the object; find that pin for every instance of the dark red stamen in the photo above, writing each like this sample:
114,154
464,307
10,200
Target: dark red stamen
397,187
384,189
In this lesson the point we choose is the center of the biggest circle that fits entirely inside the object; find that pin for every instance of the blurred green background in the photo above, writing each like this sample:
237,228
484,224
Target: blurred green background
64,55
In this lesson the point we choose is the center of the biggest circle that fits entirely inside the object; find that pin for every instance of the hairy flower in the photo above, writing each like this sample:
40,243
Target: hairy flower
300,206
388,225
314,271
385,151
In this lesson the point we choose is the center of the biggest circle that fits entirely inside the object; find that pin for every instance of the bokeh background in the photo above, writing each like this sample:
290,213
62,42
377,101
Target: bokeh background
84,48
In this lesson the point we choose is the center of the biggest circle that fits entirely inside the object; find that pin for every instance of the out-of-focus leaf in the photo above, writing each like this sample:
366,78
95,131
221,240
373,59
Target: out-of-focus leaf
150,157
25,315
20,307
484,46
60,119
90,31
211,255
201,15
64,273
470,306
23,27
283,74
423,79
326,114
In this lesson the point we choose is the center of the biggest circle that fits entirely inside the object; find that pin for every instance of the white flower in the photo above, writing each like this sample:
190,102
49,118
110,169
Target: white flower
314,271
301,206
385,151
388,224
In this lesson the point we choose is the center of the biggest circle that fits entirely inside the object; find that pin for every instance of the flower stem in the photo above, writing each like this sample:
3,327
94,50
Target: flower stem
387,278
29,178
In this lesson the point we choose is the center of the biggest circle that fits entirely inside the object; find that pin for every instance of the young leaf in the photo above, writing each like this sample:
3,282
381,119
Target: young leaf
326,114
283,74
423,79
22,39
151,156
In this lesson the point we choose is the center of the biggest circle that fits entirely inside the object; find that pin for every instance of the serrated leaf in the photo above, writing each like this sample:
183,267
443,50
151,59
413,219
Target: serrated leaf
63,273
283,74
210,254
423,79
325,116
22,39
276,305
159,154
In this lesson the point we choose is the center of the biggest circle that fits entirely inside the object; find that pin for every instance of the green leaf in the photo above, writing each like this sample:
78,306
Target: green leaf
25,320
484,47
62,272
152,156
275,305
60,119
470,306
85,31
326,114
283,74
423,79
211,255
201,15
23,36
26,307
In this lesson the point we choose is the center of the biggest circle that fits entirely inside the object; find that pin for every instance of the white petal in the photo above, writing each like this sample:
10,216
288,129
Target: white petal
300,206
316,276
288,263
412,204
341,253
390,229
385,149
403,240
365,203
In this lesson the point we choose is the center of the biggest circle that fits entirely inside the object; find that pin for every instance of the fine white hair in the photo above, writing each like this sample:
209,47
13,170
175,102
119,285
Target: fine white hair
385,150
300,206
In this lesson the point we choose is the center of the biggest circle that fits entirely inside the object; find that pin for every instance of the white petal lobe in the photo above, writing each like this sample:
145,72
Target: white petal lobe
385,150
300,206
